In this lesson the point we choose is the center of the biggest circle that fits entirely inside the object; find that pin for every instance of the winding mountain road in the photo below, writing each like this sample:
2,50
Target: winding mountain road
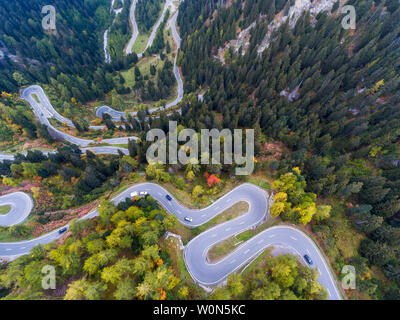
44,110
135,29
195,252
116,115
21,205
134,26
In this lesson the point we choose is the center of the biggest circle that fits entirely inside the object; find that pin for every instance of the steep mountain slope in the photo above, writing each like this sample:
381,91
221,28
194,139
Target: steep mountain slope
330,95
68,56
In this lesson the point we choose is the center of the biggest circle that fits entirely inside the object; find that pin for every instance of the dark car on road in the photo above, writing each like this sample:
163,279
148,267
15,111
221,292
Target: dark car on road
308,259
62,230
168,197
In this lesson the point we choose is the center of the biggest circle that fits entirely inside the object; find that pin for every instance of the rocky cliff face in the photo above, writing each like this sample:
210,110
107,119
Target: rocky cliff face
293,15
242,40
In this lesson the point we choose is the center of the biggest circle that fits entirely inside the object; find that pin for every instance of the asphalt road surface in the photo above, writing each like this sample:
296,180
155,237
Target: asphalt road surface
135,29
44,110
149,43
116,115
195,252
21,206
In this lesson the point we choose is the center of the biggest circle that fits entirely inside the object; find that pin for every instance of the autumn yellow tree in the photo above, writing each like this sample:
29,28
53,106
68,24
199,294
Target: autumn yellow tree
197,191
291,202
276,209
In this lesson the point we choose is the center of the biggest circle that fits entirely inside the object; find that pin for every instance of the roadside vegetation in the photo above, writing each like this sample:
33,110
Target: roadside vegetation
323,102
233,212
5,209
273,278
328,109
115,256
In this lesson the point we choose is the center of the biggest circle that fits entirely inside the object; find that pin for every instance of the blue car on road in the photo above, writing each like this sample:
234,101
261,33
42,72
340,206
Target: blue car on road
168,197
308,259
62,230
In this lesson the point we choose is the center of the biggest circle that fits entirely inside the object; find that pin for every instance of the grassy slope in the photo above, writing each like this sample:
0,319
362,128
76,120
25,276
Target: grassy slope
5,209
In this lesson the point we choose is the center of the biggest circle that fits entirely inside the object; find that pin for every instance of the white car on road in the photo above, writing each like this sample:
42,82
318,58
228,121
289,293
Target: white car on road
141,194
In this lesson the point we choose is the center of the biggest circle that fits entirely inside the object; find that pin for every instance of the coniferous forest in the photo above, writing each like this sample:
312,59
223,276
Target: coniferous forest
323,101
343,126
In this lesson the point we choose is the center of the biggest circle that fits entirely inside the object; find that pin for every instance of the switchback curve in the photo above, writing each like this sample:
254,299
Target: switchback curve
195,252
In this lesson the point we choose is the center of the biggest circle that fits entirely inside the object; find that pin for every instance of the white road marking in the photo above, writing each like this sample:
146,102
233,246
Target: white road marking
56,235
293,238
327,290
227,229
203,215
241,223
272,235
246,251
232,261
